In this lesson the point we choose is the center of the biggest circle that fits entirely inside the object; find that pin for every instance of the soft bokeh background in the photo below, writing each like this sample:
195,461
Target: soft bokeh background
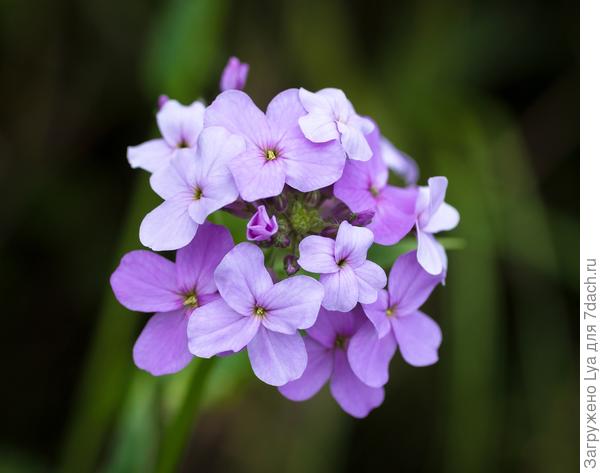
483,91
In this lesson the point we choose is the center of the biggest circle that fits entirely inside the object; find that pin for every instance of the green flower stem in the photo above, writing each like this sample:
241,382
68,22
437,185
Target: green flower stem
177,431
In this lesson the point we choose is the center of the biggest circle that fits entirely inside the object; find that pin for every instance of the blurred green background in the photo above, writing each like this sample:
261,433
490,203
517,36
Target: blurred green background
484,92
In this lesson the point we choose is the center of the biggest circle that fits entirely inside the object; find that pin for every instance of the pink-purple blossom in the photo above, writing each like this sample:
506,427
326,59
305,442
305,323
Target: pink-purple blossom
254,312
277,152
346,274
364,186
193,187
234,75
433,216
327,344
261,227
180,126
147,282
397,322
330,116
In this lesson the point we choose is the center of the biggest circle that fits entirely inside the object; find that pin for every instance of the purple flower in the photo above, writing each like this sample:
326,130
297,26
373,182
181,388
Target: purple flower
180,126
256,313
234,75
147,282
401,163
363,186
346,274
397,321
260,227
327,343
331,116
193,187
277,152
433,215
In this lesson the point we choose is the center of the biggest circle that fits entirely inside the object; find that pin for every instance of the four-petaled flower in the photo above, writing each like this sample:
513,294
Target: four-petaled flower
147,282
346,274
234,75
256,313
260,227
277,152
180,126
363,186
397,322
193,187
331,116
327,344
433,216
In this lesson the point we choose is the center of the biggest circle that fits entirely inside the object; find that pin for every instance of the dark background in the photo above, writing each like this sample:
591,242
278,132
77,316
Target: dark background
485,92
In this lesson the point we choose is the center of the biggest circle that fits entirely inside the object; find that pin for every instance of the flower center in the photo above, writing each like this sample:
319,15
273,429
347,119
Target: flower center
390,311
197,193
270,154
374,191
342,262
182,144
260,311
340,342
190,300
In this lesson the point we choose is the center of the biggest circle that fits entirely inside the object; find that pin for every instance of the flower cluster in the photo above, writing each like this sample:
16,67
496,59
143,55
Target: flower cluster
311,178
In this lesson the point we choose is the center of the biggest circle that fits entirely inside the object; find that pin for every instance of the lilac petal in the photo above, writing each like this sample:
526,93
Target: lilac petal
150,156
399,162
354,143
177,177
311,166
430,254
162,347
409,285
446,218
369,356
371,278
180,124
437,193
353,188
277,358
292,304
318,127
353,396
394,216
352,244
330,324
197,261
235,111
169,226
317,372
217,147
376,312
419,338
317,255
219,193
283,113
145,282
255,177
341,290
316,102
242,277
215,328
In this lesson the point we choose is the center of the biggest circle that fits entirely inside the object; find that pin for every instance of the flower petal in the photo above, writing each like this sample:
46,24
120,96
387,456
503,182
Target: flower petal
430,254
216,148
242,277
180,124
369,356
399,162
150,156
376,312
352,244
318,127
176,177
292,304
353,396
162,347
145,282
394,216
215,328
331,324
446,218
371,277
354,143
277,358
255,177
409,284
354,186
341,290
419,338
169,226
317,372
317,255
196,262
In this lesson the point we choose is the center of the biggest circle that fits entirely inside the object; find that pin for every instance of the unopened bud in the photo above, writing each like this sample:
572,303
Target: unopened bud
312,198
330,231
162,100
362,219
281,241
290,264
280,202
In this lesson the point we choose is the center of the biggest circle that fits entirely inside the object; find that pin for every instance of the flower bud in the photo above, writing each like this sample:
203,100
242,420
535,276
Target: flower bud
280,202
162,100
362,219
330,231
290,264
239,208
311,199
261,227
281,241
234,75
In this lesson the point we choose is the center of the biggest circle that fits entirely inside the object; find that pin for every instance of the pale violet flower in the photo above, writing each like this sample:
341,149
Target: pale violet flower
261,227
